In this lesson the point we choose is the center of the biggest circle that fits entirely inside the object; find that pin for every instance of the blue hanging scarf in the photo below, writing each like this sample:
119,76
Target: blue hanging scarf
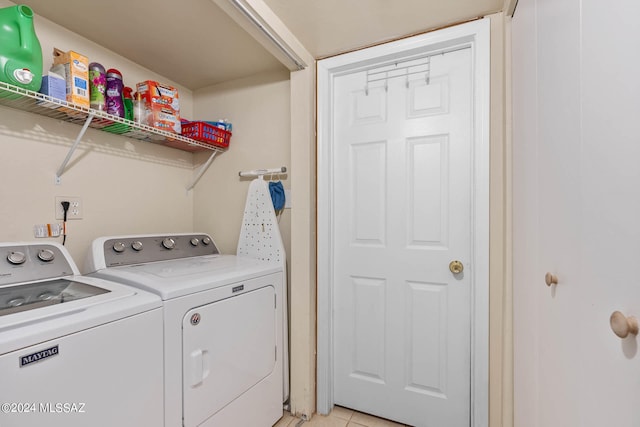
277,195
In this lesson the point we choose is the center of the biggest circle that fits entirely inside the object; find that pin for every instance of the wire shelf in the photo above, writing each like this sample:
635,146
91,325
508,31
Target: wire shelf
44,105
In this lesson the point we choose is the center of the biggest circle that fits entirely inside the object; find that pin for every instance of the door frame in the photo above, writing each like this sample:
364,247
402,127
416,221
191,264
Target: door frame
476,36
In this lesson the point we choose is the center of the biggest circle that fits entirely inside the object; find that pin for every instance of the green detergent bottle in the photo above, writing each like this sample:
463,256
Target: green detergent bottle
20,51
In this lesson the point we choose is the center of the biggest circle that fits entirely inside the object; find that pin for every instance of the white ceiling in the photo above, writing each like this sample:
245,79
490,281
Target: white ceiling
191,42
195,44
329,27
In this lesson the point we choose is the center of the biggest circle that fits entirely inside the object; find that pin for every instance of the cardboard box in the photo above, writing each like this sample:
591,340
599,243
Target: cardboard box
159,96
54,86
162,104
76,67
164,119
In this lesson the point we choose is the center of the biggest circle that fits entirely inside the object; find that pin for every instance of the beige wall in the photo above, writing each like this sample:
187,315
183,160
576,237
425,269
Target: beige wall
500,300
302,258
258,107
303,242
126,186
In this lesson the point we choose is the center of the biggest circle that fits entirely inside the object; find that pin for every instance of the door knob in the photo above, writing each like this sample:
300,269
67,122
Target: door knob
622,326
456,267
550,279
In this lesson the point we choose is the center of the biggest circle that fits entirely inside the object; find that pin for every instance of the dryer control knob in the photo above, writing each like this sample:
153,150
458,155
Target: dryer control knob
137,245
46,255
169,243
194,241
119,247
16,258
206,241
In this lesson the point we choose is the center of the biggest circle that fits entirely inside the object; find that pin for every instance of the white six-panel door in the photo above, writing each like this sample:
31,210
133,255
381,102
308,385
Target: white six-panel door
402,168
401,194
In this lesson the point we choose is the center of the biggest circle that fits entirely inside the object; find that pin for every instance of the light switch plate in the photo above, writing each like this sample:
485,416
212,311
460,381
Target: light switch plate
287,198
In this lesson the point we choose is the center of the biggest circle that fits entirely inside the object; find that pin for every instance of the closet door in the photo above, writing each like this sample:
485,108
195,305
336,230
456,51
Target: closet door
559,215
610,153
576,204
549,347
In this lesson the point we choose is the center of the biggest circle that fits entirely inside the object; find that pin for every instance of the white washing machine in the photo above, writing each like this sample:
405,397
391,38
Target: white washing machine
75,351
223,335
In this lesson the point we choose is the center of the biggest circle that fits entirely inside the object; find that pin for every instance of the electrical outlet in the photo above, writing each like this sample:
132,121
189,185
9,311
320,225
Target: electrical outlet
75,207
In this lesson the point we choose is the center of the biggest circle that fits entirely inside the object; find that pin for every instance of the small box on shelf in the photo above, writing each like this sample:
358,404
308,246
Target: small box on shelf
54,86
76,68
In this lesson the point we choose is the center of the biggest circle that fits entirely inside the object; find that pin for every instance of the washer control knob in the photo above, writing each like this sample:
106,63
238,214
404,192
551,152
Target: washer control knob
46,255
46,296
119,247
16,302
137,245
194,241
16,258
169,243
206,241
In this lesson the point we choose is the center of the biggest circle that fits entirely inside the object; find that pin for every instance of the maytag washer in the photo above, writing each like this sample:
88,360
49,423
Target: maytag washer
75,351
223,352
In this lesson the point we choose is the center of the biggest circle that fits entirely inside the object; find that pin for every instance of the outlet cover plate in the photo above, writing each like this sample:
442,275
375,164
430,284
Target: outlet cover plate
75,207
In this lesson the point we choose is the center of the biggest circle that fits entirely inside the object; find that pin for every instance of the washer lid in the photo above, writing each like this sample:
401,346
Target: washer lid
24,297
82,303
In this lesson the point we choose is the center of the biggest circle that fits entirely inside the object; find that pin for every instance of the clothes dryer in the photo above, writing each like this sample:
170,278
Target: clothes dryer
223,339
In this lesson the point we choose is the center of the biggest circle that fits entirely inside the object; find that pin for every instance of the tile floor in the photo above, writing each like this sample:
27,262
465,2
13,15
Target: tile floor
339,417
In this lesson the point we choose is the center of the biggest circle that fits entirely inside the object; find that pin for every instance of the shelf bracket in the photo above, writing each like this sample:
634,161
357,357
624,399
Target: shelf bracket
63,166
202,170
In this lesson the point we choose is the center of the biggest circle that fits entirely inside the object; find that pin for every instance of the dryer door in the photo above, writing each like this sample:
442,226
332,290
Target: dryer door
228,347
